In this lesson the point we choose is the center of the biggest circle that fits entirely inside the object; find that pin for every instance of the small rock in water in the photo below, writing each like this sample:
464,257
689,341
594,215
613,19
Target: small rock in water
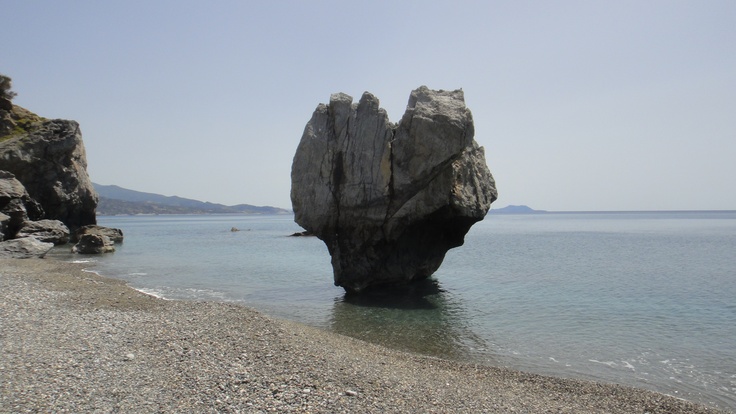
94,244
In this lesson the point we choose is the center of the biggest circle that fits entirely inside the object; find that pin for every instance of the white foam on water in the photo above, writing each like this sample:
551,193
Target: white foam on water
92,271
206,294
608,363
151,292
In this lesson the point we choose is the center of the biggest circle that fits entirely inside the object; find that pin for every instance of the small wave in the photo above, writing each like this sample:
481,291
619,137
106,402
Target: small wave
82,261
151,292
137,274
92,271
628,365
204,294
609,363
168,293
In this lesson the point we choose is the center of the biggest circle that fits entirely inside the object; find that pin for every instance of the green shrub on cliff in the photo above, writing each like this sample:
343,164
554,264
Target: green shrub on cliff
18,121
14,120
5,86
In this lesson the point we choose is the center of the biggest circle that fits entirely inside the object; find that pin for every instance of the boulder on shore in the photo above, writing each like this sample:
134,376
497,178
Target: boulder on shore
4,221
115,235
93,244
24,248
94,239
49,231
16,205
388,199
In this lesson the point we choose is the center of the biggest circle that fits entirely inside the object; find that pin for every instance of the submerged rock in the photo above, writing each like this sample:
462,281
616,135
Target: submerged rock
389,200
302,234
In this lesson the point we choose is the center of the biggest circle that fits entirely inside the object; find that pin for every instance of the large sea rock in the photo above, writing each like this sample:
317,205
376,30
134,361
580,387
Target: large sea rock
48,158
389,199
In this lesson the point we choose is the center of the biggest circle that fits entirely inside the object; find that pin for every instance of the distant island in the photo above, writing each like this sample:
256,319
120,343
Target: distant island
115,200
516,210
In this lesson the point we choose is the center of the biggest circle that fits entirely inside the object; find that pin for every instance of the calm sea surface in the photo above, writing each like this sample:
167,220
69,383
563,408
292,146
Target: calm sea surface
641,299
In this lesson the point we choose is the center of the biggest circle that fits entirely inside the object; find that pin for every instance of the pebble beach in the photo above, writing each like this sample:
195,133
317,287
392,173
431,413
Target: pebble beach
75,342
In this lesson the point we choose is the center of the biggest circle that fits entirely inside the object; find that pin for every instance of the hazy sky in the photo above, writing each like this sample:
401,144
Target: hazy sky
580,105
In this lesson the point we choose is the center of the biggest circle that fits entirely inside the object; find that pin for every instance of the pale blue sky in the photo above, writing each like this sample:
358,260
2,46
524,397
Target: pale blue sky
580,105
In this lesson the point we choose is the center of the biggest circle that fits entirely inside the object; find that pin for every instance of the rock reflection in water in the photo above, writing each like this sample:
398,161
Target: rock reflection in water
420,317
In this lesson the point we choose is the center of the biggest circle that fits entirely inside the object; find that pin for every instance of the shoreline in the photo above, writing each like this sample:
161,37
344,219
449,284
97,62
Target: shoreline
74,341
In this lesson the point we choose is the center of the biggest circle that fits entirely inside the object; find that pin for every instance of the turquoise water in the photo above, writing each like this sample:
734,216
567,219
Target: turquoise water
641,299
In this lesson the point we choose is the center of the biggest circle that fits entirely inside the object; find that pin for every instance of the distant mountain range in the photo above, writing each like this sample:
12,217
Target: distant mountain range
115,200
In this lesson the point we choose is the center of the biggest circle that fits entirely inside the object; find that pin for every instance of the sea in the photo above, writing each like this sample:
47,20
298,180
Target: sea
644,299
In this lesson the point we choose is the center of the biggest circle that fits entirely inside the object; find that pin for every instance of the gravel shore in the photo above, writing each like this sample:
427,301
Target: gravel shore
76,342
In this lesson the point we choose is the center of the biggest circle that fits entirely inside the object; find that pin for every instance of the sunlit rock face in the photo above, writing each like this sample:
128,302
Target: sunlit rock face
48,157
389,199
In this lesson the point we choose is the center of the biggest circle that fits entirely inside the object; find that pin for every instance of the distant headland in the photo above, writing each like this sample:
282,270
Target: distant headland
115,200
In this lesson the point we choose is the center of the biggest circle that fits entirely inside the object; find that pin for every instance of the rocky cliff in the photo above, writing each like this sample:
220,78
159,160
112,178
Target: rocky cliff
389,200
48,158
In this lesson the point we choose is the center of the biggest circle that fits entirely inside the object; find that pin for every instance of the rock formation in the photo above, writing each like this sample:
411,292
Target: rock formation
4,220
93,244
16,205
115,235
48,157
48,231
24,248
389,200
44,186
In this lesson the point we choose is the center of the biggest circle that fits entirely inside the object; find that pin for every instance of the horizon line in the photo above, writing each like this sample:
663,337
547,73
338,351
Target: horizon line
533,211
